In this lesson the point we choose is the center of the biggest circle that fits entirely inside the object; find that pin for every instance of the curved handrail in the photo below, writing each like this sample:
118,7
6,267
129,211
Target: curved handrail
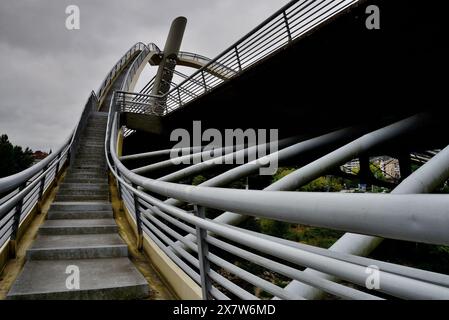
283,27
23,190
138,47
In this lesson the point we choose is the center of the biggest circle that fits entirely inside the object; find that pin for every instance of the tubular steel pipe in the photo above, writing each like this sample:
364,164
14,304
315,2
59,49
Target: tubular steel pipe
328,286
393,283
252,166
429,176
338,157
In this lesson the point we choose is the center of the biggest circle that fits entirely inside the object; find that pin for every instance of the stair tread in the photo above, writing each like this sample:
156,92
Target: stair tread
78,223
47,279
43,242
72,215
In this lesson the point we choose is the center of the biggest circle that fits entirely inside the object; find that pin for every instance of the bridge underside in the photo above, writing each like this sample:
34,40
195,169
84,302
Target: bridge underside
340,74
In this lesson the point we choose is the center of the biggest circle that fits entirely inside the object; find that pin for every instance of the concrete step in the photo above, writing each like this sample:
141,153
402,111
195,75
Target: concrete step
96,176
90,177
73,197
91,145
71,215
92,139
115,278
101,180
83,191
95,151
84,246
83,186
81,206
89,165
86,171
78,226
92,133
95,127
90,160
86,156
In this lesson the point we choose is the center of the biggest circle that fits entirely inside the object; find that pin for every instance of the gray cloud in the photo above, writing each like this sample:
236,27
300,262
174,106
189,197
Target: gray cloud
47,72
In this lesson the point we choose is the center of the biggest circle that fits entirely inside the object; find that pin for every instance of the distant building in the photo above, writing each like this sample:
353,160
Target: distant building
388,166
351,166
39,156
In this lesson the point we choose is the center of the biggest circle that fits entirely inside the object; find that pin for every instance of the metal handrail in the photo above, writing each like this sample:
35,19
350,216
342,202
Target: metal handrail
282,28
132,186
291,22
146,210
24,190
154,218
138,47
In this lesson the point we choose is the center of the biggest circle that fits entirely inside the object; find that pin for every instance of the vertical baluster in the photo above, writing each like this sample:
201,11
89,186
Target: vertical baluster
238,58
203,252
15,225
287,26
41,190
138,219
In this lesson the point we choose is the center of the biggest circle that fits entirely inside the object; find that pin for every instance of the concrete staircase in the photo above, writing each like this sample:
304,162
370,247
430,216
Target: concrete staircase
80,232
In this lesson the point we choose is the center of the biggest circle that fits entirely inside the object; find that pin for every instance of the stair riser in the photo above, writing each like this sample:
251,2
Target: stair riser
90,167
80,207
83,186
80,192
77,230
88,157
82,178
80,215
86,172
92,140
77,253
100,130
75,198
86,180
122,293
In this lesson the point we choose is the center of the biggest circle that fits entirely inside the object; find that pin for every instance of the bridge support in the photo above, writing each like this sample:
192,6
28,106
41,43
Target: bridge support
164,74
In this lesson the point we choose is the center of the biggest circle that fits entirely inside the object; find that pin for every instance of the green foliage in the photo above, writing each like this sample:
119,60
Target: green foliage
319,237
282,172
323,184
13,159
198,180
274,228
377,172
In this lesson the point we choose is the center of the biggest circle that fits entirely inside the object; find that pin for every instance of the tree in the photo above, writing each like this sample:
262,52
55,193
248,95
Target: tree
13,159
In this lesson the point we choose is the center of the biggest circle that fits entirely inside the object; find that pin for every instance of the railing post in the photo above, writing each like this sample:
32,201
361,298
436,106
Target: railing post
204,80
179,96
58,163
15,225
203,252
238,58
287,26
138,220
119,190
41,190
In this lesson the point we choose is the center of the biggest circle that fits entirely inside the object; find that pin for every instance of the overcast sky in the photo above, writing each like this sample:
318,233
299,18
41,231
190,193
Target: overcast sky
47,71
